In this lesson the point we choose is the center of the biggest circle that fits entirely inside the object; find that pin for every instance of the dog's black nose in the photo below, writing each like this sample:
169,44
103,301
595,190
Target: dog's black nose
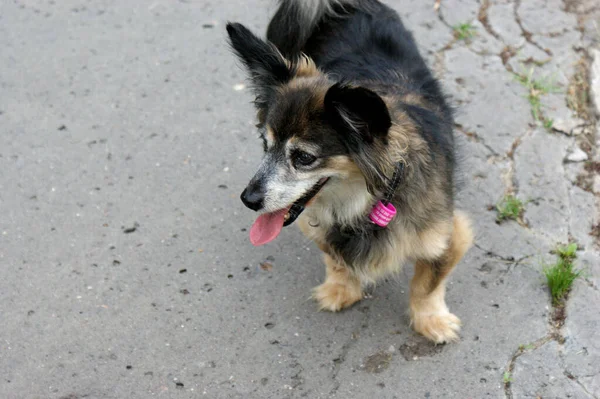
253,197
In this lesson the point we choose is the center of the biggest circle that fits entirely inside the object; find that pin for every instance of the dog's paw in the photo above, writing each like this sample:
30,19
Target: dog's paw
438,327
336,296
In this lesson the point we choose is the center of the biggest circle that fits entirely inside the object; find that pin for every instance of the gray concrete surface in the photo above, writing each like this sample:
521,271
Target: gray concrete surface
123,114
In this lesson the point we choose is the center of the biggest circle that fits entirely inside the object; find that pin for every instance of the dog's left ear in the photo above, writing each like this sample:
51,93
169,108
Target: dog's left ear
359,111
268,69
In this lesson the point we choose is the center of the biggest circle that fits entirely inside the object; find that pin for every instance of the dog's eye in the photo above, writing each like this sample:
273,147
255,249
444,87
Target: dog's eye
303,158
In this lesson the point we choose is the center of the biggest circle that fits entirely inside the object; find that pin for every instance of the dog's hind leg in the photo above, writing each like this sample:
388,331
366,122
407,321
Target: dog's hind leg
428,311
341,288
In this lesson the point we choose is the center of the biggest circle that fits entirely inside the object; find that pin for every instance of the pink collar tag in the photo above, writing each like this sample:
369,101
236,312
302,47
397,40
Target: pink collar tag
382,214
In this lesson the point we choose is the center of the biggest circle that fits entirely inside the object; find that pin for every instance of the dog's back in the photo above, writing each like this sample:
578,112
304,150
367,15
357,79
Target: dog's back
356,40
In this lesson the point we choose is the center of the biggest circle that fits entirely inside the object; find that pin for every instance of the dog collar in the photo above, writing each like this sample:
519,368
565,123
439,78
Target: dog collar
384,211
298,207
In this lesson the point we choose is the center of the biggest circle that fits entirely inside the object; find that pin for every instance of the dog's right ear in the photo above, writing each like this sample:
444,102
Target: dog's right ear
361,117
268,68
357,111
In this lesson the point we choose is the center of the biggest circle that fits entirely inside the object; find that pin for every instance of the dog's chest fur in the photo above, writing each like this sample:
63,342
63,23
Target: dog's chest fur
342,202
344,206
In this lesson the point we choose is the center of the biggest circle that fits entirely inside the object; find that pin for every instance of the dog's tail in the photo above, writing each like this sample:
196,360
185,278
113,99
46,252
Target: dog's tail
295,20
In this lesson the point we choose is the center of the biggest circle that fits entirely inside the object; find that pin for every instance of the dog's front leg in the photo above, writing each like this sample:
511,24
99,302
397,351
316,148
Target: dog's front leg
341,288
429,314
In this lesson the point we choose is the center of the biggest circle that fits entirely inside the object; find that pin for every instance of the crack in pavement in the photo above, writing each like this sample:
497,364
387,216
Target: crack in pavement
523,349
482,16
524,32
475,138
509,175
440,16
556,321
507,259
532,347
572,377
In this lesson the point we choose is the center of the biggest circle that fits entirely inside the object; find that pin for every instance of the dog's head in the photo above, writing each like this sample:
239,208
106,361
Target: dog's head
312,127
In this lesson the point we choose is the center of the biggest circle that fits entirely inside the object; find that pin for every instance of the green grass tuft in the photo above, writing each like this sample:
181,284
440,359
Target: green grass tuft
464,31
537,87
568,252
509,208
561,275
541,85
526,347
506,377
536,106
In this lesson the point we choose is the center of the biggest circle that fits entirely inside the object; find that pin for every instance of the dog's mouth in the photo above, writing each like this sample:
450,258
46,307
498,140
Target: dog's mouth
268,225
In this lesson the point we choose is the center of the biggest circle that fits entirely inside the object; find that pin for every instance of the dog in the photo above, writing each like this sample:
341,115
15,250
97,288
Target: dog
359,149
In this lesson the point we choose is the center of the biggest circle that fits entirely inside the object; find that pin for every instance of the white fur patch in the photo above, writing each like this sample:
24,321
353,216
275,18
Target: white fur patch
282,192
340,201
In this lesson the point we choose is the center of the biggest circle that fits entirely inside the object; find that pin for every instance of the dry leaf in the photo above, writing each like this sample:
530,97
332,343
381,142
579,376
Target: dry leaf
266,266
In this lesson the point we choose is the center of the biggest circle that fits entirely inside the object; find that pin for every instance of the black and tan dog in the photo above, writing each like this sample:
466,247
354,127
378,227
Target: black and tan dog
352,120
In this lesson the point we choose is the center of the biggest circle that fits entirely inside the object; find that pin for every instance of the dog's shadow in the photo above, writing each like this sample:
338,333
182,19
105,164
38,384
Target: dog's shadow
375,329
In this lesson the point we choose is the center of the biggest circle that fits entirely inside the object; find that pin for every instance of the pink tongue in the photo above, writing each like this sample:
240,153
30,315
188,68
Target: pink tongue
266,227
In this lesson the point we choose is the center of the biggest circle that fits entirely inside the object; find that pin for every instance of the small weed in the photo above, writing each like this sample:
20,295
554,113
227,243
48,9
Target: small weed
509,208
540,86
526,347
561,275
536,106
568,252
507,378
464,31
537,87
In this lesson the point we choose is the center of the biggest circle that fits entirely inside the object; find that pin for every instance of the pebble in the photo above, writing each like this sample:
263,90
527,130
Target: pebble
577,155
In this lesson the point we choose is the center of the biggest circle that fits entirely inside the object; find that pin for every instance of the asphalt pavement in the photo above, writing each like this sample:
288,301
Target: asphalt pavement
126,135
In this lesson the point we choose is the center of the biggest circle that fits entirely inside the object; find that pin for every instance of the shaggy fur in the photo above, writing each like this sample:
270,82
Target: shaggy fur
342,93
